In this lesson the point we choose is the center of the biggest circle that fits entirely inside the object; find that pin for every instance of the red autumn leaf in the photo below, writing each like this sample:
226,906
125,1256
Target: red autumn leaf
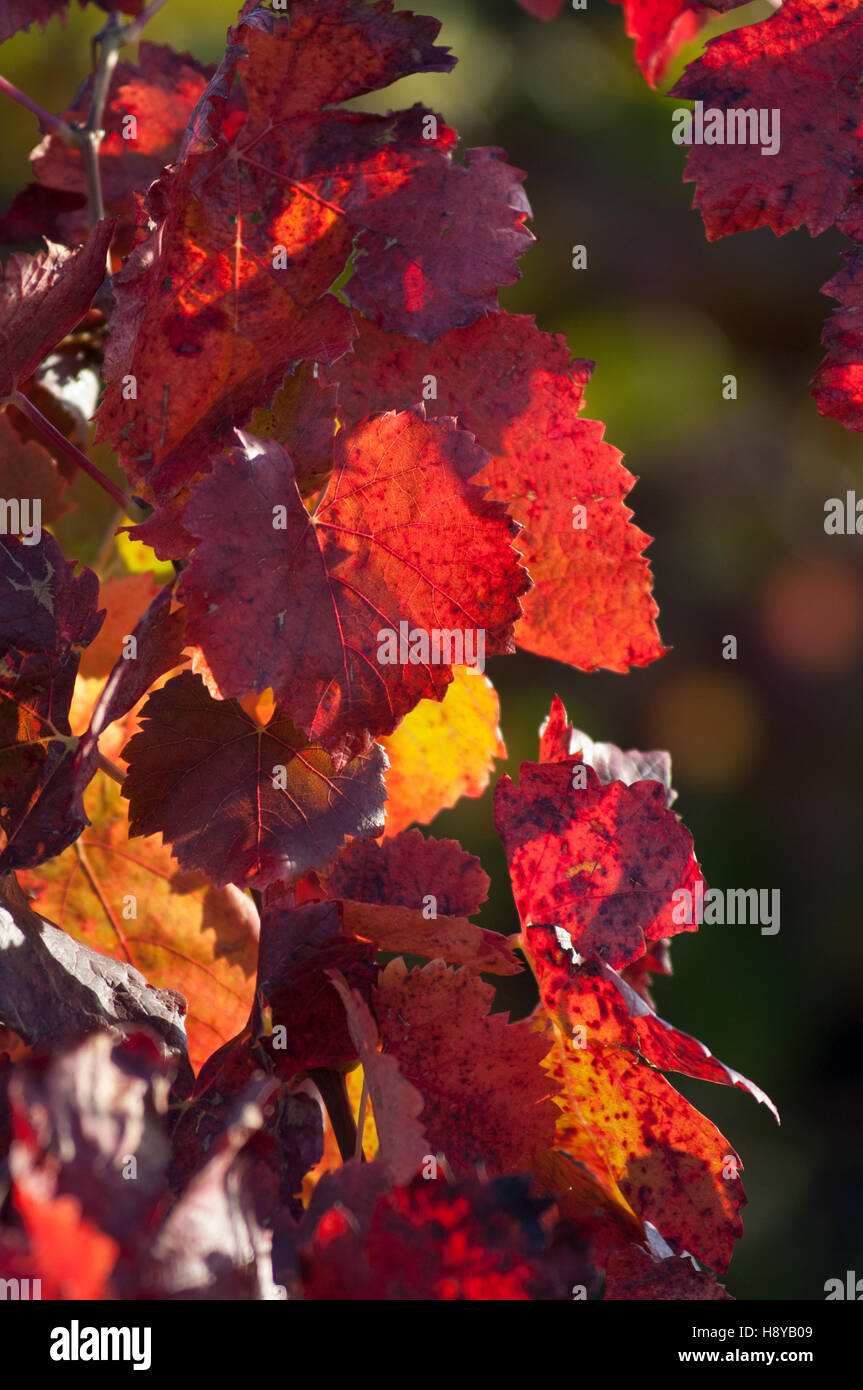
164,529
433,1241
660,27
20,14
401,871
47,614
520,393
487,1099
146,113
399,537
273,192
838,383
558,739
624,1122
600,861
633,1274
395,1102
204,773
42,298
604,997
414,895
794,67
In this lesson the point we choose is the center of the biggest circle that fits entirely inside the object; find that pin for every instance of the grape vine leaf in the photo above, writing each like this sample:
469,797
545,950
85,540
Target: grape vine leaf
399,537
273,192
520,393
660,28
414,895
487,1099
303,420
838,382
558,739
442,751
20,14
601,861
42,298
794,67
205,774
634,1274
130,901
88,991
603,996
625,1123
300,948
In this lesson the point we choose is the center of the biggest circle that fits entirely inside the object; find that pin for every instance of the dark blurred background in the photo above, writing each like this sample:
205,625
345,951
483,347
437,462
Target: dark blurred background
766,749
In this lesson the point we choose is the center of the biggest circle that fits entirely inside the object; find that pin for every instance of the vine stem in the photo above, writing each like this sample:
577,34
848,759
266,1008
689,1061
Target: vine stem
71,451
89,136
55,124
132,32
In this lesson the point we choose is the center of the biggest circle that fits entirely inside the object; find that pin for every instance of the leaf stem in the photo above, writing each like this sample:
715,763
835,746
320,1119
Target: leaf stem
334,1093
71,451
55,124
111,769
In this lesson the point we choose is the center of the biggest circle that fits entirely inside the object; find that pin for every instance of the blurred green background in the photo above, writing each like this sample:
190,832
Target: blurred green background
767,749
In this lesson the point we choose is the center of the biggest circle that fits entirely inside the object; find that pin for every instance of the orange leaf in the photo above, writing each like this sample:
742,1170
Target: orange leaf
441,752
186,935
652,1152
